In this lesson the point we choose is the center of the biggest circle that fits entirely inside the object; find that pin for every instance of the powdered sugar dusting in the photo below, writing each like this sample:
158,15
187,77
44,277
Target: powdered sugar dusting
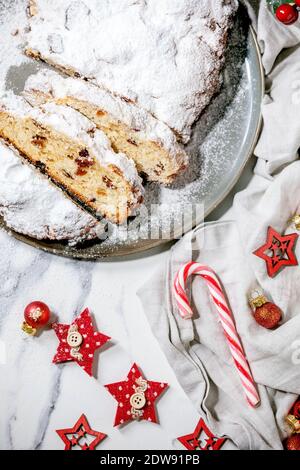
166,55
215,146
76,126
29,203
49,84
215,153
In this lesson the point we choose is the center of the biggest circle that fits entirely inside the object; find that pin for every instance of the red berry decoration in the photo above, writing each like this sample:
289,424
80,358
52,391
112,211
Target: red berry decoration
292,442
266,313
297,2
36,315
287,14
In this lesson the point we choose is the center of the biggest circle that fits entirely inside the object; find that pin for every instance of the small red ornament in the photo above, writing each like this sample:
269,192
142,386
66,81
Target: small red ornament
266,313
136,397
296,407
293,421
201,439
278,251
292,442
297,2
78,341
36,315
77,436
287,13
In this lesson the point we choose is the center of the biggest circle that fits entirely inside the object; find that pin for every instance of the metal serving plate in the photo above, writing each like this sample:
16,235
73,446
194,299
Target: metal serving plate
223,141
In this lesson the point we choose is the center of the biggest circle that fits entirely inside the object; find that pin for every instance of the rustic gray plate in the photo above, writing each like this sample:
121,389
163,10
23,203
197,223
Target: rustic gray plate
223,141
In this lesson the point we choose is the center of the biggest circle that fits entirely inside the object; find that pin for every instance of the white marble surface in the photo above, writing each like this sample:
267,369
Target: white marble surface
38,397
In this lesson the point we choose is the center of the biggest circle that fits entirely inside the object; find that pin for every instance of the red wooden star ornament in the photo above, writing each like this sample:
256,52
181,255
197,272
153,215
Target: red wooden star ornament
81,436
78,341
136,397
278,251
201,439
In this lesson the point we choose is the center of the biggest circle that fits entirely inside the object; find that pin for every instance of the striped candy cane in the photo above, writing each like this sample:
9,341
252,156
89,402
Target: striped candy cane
226,319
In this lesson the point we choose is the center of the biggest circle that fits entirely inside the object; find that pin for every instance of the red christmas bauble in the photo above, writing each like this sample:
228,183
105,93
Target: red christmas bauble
268,315
36,314
287,14
292,442
297,2
296,407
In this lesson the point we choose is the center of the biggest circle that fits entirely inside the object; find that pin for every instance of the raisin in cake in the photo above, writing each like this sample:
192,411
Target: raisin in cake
166,55
131,130
32,206
75,155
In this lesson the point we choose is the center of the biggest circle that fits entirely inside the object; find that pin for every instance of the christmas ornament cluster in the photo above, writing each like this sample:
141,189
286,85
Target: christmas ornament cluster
286,12
135,395
78,343
278,253
293,421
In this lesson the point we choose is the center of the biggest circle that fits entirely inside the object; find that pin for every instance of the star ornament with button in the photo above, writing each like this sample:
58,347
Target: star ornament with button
278,251
136,397
78,341
81,436
201,439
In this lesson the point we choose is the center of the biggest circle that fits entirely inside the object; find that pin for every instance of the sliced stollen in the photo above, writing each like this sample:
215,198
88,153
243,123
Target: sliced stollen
32,206
75,155
150,143
165,55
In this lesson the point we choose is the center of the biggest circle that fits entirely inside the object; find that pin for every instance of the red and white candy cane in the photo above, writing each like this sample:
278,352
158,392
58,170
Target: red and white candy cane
226,319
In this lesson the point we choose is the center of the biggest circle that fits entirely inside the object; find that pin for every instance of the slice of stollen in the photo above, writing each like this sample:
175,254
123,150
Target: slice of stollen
32,206
74,154
150,143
